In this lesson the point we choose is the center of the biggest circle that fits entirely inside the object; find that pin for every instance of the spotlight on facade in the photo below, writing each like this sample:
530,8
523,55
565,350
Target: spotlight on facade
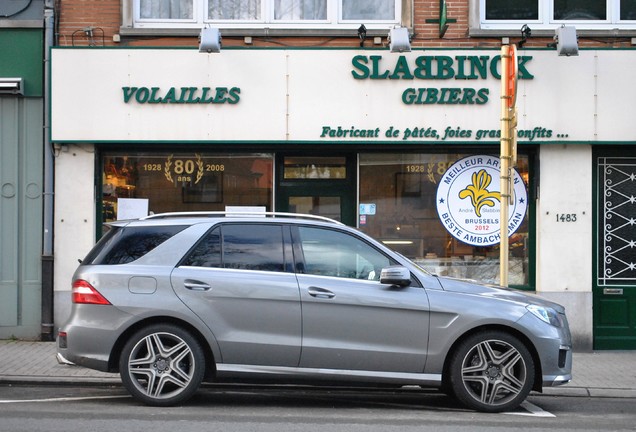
400,40
210,40
566,41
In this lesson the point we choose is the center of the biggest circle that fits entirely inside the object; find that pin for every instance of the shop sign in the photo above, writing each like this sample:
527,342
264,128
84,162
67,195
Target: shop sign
181,95
468,201
426,133
461,68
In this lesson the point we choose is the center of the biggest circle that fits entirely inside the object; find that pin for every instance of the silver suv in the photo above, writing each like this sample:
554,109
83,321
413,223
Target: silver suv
171,300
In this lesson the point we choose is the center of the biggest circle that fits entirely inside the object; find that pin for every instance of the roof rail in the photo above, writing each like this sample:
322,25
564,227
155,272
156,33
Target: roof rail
241,213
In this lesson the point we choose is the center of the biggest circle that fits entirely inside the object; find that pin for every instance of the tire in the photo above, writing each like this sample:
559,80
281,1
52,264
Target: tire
491,371
162,365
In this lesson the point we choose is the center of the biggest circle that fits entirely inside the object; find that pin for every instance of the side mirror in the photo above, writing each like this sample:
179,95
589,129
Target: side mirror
396,275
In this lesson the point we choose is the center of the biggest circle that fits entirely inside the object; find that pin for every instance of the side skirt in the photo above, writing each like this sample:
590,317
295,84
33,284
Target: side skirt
292,374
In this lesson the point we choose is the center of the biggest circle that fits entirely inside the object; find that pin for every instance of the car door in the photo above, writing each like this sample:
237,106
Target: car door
239,281
350,320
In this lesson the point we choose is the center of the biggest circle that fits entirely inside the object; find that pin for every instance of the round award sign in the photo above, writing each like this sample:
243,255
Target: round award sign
469,199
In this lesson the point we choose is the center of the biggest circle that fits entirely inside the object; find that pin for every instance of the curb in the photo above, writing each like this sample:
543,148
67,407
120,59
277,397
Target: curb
593,392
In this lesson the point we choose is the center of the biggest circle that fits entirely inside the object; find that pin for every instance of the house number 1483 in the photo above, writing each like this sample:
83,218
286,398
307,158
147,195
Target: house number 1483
566,217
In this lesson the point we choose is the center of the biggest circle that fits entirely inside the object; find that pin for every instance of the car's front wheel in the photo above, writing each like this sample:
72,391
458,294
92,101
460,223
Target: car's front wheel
162,365
491,371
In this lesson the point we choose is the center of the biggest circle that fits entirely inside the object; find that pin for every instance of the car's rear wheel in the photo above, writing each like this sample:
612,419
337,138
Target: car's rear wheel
491,371
162,365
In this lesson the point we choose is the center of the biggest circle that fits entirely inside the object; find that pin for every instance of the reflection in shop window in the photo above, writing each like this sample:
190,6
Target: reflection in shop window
403,189
186,181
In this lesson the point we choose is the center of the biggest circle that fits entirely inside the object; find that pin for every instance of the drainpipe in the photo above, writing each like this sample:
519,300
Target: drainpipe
47,324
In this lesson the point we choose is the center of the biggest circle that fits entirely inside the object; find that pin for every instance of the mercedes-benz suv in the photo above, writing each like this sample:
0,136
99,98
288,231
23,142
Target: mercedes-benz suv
175,299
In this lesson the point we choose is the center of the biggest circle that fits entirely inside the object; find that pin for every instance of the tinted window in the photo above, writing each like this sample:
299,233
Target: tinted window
253,247
580,10
208,251
123,245
247,247
512,9
332,253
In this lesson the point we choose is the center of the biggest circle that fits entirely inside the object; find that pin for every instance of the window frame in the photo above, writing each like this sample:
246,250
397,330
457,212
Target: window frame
545,25
131,19
301,260
222,231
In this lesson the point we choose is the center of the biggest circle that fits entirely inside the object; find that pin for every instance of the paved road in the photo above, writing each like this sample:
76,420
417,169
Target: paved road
267,409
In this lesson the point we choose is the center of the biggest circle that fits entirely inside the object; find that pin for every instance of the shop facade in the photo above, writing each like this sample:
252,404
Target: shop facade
21,171
364,136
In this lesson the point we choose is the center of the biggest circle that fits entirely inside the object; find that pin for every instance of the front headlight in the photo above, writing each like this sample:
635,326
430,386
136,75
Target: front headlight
546,314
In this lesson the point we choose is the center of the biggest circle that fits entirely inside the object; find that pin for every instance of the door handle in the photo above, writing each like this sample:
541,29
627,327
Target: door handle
196,285
320,292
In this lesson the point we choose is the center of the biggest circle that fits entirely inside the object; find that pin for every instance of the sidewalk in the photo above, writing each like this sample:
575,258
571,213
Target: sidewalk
596,374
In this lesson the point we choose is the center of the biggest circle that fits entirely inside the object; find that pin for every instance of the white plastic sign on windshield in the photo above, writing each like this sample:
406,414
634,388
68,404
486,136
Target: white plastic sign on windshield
131,208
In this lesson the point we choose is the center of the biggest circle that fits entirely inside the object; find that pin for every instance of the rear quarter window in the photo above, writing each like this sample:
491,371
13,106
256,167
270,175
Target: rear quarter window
122,245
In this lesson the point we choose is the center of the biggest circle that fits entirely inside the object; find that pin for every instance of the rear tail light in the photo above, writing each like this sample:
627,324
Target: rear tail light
83,292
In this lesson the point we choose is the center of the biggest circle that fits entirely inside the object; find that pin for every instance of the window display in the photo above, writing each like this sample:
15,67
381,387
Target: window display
167,182
398,207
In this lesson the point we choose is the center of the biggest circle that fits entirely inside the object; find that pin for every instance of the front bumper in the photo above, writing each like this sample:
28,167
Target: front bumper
553,347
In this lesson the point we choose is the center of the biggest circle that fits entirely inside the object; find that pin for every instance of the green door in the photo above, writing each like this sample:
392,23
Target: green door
614,287
315,184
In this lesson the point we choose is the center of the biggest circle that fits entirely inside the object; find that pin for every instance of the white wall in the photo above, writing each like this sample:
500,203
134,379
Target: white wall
564,249
74,227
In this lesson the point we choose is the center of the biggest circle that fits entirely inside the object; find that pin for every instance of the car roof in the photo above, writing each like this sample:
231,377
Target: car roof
189,218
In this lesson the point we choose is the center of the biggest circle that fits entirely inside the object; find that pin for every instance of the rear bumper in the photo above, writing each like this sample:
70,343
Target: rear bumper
89,342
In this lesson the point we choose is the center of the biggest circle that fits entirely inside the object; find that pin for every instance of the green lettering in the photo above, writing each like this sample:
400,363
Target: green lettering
205,98
191,98
234,96
523,72
453,95
460,67
170,97
431,96
220,95
444,67
482,96
493,67
154,99
424,68
375,60
401,67
469,96
182,95
142,95
128,93
479,65
408,96
359,62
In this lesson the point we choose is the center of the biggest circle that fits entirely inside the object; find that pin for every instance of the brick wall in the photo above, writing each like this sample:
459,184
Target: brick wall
104,16
73,16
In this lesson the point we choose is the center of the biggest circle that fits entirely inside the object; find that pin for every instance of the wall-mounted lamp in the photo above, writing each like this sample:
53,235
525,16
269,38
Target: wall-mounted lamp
210,40
11,86
526,32
399,40
362,34
566,41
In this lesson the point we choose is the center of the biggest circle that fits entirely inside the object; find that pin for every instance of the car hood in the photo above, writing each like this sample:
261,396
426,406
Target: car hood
507,294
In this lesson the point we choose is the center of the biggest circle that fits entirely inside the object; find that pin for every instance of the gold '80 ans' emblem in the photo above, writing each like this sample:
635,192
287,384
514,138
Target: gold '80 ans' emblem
184,170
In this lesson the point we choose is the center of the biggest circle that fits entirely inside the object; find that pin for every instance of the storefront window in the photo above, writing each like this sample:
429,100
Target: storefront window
329,168
401,191
168,182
